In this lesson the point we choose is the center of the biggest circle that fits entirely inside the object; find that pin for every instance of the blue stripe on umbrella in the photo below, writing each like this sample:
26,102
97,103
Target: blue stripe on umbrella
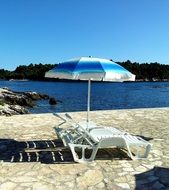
111,66
84,67
79,66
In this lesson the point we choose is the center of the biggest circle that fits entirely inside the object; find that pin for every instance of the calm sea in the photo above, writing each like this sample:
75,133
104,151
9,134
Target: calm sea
104,95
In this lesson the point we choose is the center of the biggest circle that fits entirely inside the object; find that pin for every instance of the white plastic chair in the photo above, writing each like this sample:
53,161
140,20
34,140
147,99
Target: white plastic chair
81,139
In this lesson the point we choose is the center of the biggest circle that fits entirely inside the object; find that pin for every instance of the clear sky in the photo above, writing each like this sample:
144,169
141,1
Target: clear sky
51,31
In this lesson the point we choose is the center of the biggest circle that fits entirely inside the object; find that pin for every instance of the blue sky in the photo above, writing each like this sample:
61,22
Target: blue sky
51,31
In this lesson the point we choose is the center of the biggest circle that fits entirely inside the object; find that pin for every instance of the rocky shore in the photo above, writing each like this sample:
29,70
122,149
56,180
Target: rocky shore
12,103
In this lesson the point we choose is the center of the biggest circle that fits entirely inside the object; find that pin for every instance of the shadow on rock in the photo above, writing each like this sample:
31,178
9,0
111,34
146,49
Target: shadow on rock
48,152
34,151
157,178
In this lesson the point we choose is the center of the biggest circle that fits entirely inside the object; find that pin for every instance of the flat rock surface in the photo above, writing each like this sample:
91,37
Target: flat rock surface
31,157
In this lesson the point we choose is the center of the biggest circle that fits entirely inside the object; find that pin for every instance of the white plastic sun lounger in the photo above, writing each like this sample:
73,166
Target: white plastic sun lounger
80,139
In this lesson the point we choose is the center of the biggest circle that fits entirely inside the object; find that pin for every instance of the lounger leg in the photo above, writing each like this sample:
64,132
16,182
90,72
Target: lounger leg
147,150
145,155
83,147
129,152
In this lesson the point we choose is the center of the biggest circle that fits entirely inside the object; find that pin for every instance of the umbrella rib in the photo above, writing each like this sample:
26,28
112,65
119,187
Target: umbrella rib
75,67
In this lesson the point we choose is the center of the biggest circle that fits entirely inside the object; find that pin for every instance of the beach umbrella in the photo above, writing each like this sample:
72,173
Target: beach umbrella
91,69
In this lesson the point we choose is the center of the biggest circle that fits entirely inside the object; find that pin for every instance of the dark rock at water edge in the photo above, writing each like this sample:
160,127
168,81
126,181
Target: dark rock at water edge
52,101
18,100
36,96
12,102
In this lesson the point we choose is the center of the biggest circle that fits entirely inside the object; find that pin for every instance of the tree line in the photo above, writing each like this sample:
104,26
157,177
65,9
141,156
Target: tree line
30,72
144,71
147,71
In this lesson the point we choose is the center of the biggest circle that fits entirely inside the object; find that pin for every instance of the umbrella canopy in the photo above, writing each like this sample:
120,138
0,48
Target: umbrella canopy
86,68
89,68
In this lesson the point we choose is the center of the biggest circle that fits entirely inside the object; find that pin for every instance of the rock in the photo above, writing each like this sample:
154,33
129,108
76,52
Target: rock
23,179
36,96
8,185
52,101
16,99
40,186
12,110
6,88
89,178
19,109
32,95
12,102
44,96
22,98
141,169
100,185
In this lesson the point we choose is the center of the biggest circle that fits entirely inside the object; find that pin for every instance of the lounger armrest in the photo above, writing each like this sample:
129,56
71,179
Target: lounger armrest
141,139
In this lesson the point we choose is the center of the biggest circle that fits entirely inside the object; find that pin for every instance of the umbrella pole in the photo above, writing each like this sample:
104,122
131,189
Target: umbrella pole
88,100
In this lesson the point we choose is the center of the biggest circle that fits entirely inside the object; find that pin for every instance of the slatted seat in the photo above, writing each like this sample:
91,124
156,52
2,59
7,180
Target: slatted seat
79,138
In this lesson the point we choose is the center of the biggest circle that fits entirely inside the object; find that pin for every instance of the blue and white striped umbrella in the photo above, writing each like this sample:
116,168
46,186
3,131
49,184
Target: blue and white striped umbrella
86,68
89,68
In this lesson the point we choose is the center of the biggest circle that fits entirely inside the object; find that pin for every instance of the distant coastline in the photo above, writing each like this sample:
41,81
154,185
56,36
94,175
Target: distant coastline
76,81
18,80
144,72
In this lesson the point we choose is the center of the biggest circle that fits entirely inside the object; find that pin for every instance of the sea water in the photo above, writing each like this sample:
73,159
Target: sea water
72,96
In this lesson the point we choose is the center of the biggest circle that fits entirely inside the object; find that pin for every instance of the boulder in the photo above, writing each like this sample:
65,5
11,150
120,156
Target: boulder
12,102
44,96
18,100
52,101
18,109
36,96
32,95
12,110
